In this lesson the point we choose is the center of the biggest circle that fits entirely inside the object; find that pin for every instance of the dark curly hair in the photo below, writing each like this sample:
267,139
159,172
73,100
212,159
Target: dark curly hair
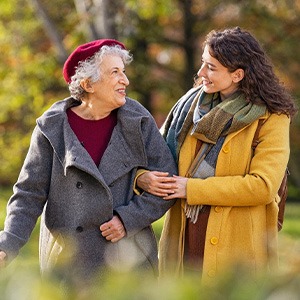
235,48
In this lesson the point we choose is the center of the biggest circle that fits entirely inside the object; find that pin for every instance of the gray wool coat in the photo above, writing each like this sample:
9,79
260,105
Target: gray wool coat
60,181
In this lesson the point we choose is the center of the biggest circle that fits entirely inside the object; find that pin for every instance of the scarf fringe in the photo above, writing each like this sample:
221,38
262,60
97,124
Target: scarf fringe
192,212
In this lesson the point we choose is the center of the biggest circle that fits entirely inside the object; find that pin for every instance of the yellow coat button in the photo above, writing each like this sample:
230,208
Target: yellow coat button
214,240
225,149
211,273
218,209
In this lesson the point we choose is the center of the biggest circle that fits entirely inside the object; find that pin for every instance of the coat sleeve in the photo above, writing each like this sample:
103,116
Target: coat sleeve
29,196
144,209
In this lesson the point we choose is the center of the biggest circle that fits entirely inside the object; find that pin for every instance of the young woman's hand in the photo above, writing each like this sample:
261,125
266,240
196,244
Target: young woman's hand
157,183
180,190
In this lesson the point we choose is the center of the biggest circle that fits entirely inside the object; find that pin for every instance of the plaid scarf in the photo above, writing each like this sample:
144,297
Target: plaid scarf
211,120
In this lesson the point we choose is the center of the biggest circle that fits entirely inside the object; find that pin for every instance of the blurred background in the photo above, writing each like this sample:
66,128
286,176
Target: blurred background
165,38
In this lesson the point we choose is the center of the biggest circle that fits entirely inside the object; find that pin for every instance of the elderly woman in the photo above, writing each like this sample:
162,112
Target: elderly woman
80,169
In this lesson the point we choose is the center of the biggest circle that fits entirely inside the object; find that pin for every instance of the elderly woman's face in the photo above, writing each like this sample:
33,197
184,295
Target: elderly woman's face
111,87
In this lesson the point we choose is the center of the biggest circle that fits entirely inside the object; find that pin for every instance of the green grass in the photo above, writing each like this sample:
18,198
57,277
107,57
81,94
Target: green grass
5,193
291,224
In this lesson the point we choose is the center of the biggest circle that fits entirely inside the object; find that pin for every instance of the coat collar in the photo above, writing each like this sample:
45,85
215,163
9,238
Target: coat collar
123,152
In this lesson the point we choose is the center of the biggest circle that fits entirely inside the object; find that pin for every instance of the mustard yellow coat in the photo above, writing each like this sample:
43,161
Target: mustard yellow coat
242,226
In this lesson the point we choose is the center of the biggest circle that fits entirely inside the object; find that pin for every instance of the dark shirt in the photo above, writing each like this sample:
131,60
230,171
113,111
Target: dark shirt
195,235
94,135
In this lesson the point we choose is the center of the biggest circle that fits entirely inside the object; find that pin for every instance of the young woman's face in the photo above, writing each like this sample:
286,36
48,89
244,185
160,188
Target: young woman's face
216,78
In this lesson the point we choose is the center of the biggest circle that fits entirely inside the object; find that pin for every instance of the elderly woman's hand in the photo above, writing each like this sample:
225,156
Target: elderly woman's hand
113,230
157,183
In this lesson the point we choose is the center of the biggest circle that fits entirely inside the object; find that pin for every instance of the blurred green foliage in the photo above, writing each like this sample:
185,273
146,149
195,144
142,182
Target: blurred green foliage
25,285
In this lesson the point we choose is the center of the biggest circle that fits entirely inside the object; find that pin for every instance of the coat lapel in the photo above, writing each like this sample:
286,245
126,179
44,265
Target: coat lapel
124,152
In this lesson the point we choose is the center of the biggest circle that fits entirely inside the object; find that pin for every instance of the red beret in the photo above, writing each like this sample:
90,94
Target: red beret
83,52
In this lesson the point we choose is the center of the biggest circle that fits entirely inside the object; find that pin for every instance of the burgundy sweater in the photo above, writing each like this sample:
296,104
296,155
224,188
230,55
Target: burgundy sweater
94,135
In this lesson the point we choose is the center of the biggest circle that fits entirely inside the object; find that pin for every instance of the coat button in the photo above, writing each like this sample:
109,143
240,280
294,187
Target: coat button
225,149
218,209
79,185
79,229
214,240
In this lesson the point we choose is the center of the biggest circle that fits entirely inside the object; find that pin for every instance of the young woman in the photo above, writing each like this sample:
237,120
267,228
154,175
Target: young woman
227,212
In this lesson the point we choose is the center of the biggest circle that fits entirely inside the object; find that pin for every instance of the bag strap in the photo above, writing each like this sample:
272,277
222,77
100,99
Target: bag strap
283,190
255,140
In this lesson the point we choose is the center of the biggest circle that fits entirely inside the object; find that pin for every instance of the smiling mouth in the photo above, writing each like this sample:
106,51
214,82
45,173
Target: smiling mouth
206,82
122,91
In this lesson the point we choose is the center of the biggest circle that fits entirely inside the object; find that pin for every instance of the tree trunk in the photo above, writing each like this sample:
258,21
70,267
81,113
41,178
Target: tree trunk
51,30
188,43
